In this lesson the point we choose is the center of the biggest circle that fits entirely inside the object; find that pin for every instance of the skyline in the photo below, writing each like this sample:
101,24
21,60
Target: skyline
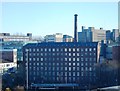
50,18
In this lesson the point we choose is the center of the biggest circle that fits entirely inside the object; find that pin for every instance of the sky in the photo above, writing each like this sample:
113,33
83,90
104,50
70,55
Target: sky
44,18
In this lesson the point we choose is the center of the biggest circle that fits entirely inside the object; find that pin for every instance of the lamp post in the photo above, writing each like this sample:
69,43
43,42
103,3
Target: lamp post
27,70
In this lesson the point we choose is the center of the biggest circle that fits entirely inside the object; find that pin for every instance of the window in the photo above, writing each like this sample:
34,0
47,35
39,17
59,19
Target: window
69,59
78,64
69,68
41,59
77,68
37,49
82,69
90,68
82,50
65,49
73,49
66,54
94,59
90,54
69,73
86,59
77,49
73,68
86,68
81,64
57,64
78,74
33,49
49,49
37,68
41,49
37,64
69,64
77,54
82,74
61,68
57,68
66,68
73,54
30,49
45,49
73,59
53,49
81,59
73,64
65,73
94,49
86,49
65,59
45,54
57,49
77,59
69,49
37,59
90,49
41,54
30,59
41,64
73,73
33,59
69,54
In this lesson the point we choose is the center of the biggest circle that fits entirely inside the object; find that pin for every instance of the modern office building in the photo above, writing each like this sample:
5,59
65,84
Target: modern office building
8,37
115,34
91,35
58,37
61,63
67,38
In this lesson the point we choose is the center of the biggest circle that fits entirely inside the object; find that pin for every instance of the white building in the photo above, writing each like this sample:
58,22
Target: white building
8,59
8,37
58,37
91,35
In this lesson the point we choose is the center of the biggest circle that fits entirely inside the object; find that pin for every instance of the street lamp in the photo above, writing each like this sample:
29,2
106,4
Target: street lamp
27,70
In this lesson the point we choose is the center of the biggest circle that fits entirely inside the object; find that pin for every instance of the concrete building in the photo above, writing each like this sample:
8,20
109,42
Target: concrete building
8,37
115,34
58,37
62,62
8,59
91,35
67,38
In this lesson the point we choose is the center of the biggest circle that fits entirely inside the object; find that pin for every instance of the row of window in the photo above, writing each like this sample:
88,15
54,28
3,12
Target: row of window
37,69
66,74
61,64
60,49
63,54
61,59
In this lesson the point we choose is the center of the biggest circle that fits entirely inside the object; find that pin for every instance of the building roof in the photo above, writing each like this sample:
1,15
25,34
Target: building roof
56,44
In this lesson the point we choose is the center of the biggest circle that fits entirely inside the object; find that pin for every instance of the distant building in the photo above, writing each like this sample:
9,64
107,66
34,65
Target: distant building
8,37
58,37
91,35
9,55
8,59
115,34
67,38
63,62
